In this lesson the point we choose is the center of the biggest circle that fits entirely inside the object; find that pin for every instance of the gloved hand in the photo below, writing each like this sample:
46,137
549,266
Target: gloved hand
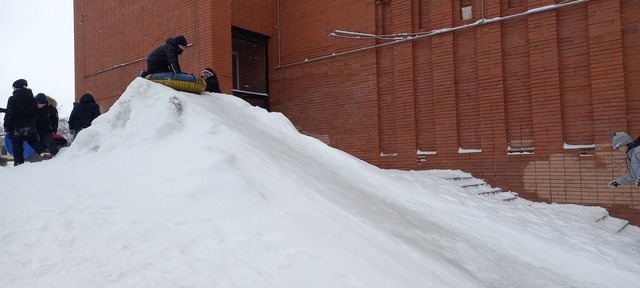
613,184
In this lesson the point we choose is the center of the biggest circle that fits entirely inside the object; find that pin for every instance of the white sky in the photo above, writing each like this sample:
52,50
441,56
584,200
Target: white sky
37,45
170,189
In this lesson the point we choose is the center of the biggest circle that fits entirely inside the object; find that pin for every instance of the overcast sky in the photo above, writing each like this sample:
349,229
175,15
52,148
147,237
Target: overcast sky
37,45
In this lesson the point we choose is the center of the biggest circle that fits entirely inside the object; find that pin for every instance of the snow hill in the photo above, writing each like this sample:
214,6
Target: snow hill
170,189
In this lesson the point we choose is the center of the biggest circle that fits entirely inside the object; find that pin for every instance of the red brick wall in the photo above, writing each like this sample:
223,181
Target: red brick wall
564,76
537,82
109,36
253,15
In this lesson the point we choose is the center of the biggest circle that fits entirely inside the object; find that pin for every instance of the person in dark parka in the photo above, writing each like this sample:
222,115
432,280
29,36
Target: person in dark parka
164,58
20,122
210,77
83,113
47,122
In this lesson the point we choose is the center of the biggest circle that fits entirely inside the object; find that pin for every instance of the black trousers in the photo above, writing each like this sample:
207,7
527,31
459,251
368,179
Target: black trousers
17,139
47,140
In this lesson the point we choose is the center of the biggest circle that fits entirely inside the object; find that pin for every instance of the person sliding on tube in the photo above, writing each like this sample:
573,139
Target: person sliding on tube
164,58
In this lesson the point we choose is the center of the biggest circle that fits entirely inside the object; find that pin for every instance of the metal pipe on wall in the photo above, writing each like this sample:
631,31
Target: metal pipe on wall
441,31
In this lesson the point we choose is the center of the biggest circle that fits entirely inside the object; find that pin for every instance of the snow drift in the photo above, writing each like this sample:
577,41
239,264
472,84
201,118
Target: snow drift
170,189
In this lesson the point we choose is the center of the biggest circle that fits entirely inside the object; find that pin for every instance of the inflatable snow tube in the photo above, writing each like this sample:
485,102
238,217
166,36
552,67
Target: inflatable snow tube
28,151
179,81
60,140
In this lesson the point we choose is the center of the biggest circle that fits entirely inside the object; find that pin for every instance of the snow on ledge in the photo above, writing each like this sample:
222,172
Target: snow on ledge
582,146
465,151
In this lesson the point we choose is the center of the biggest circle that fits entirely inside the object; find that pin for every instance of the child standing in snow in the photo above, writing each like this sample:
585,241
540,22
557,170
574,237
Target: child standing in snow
83,113
623,143
19,122
47,122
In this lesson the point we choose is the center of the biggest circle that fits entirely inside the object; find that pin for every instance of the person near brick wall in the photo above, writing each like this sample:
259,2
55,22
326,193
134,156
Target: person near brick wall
20,122
83,113
47,122
622,142
164,58
210,77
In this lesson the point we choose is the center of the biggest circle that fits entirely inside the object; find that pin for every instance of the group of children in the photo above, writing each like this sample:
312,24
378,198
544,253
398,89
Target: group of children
34,120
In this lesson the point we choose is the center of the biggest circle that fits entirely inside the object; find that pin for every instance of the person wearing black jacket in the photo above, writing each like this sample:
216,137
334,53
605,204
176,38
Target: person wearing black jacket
19,122
213,85
83,113
47,122
164,58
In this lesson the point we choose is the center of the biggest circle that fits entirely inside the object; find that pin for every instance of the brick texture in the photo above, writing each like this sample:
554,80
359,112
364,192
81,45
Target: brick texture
536,83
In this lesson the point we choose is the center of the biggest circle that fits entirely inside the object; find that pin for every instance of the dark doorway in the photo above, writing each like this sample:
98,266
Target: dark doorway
250,70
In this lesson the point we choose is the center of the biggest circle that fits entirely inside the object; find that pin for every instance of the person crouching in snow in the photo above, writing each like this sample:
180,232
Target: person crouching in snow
19,122
164,58
623,143
213,85
47,122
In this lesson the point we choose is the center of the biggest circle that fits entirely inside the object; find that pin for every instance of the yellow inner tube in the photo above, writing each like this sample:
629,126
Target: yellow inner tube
180,82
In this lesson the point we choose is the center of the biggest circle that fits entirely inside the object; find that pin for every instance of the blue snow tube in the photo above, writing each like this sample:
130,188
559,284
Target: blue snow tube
28,151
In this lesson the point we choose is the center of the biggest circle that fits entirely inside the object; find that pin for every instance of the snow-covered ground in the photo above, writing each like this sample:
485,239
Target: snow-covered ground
170,189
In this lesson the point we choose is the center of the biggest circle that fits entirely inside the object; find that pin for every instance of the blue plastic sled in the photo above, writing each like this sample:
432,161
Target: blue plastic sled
28,151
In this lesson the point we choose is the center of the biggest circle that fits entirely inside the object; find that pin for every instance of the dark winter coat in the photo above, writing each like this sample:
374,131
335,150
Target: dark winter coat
47,120
2,110
213,85
164,58
21,113
83,113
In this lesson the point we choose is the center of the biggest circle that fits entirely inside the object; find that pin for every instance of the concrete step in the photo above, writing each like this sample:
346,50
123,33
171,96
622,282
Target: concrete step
612,224
480,187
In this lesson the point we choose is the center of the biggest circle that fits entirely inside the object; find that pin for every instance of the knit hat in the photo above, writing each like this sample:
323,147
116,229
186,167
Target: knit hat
208,70
620,139
20,83
180,40
41,98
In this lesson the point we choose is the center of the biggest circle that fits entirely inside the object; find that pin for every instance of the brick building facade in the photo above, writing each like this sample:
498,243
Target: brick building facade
521,93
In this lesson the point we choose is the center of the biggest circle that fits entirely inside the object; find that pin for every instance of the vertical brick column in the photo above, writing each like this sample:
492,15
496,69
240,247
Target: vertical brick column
79,36
214,46
491,95
545,100
404,104
444,90
545,83
385,81
610,102
607,69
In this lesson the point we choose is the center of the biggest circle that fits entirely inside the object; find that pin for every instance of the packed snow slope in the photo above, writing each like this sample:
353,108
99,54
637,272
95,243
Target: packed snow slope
169,189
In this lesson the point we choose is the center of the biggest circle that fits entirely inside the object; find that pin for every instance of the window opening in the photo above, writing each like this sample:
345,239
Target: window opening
249,67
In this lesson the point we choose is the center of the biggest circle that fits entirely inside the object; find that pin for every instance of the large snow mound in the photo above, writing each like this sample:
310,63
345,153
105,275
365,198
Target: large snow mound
170,189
